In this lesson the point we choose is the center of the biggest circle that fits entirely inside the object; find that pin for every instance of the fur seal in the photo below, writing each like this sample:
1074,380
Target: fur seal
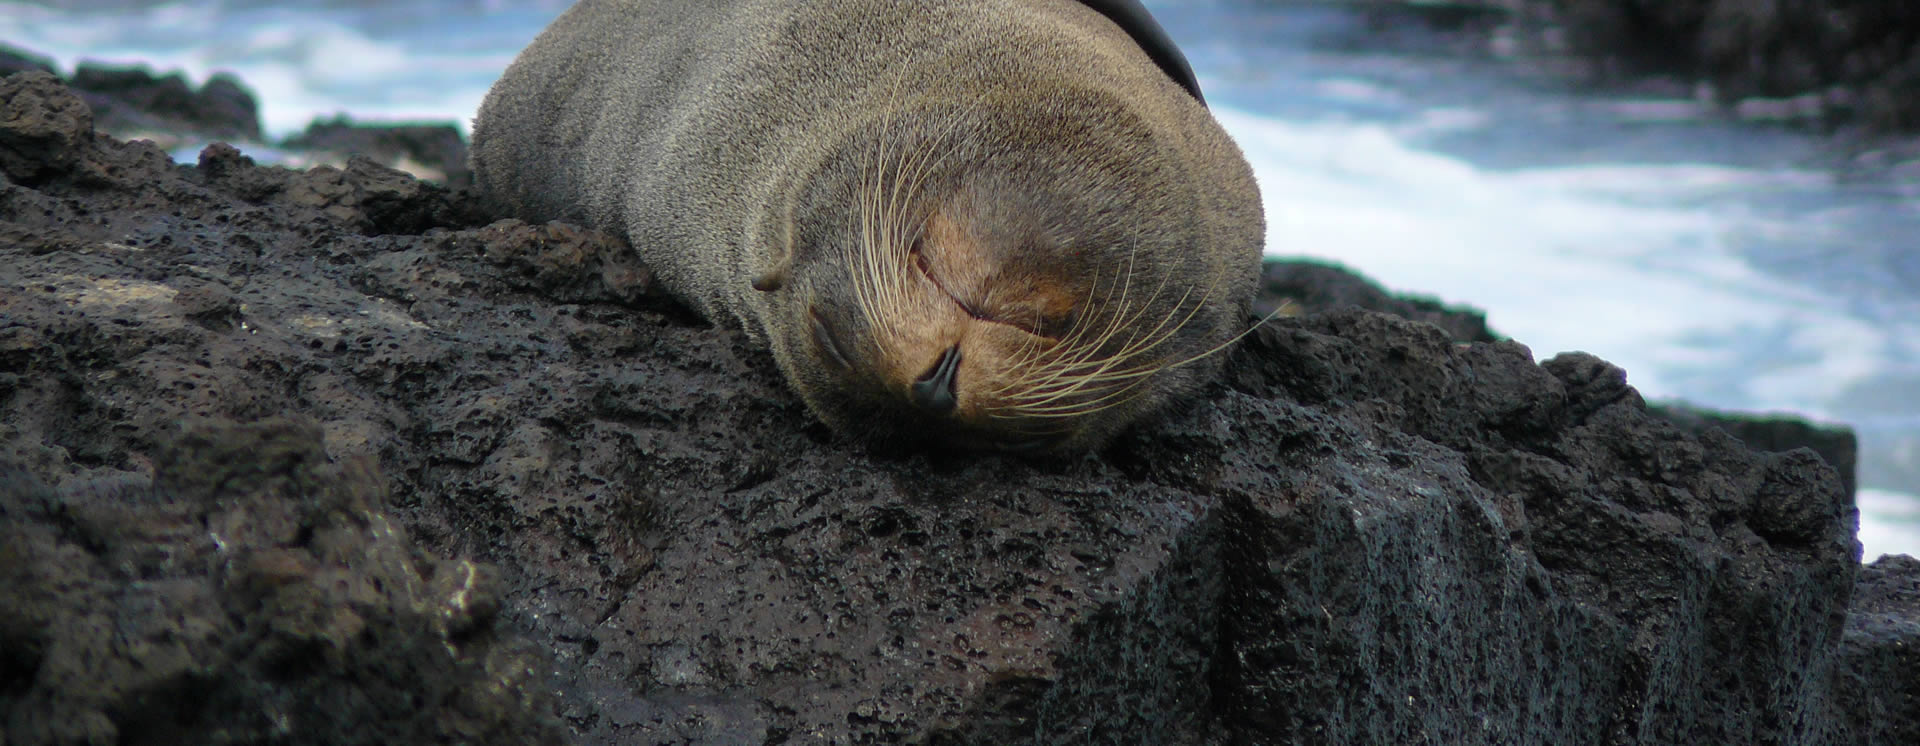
1006,224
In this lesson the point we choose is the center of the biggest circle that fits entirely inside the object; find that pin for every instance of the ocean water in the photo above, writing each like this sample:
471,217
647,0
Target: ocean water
1721,262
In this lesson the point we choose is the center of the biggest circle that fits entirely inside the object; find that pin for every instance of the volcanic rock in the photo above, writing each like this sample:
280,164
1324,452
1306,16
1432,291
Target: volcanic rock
593,512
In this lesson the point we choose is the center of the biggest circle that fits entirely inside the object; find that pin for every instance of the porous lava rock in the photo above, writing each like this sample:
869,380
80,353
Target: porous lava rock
244,591
1366,532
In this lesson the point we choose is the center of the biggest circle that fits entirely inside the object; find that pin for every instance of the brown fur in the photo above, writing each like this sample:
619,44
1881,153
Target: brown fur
867,185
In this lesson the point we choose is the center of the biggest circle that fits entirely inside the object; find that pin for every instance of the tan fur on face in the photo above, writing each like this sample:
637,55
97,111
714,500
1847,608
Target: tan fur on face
955,293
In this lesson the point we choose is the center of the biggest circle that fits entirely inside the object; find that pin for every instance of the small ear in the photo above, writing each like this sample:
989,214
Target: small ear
772,279
775,277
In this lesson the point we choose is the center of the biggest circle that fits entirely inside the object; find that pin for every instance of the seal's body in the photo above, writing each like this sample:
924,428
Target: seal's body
991,222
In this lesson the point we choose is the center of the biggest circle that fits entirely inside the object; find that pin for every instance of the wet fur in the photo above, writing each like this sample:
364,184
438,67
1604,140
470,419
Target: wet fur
1013,174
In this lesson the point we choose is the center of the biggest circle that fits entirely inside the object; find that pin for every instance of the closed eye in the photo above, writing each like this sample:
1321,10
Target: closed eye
1036,327
829,344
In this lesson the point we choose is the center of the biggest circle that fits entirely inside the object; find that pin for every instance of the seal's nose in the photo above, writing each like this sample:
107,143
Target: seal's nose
935,390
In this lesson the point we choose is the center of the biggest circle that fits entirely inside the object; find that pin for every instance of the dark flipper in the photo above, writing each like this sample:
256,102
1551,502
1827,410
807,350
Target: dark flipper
1131,17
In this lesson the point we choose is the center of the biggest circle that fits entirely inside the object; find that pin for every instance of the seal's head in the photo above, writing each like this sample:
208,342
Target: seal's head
1005,276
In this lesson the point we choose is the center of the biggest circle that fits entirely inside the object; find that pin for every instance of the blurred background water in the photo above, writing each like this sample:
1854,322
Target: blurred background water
1724,263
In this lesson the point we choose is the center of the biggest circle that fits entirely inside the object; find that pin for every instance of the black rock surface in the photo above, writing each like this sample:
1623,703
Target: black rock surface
1367,532
248,591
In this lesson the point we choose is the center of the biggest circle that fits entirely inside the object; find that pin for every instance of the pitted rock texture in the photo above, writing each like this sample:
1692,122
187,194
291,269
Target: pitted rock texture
247,592
1367,532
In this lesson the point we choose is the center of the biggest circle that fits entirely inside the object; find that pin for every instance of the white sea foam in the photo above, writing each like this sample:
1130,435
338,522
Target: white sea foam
1358,91
1630,263
1886,519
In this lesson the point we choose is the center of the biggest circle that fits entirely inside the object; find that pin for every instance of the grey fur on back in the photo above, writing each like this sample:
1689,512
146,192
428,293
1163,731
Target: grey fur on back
680,123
